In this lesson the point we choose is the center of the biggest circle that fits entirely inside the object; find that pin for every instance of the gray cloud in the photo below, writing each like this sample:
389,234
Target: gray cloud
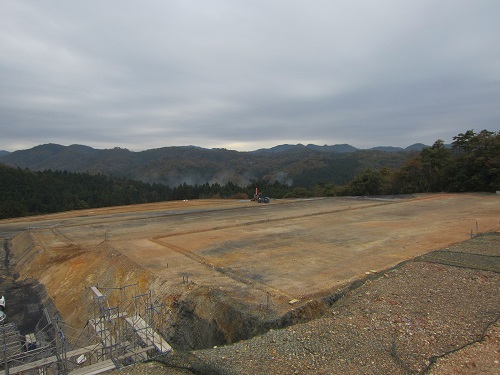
245,75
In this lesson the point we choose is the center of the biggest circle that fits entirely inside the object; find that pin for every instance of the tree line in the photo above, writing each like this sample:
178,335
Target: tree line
472,163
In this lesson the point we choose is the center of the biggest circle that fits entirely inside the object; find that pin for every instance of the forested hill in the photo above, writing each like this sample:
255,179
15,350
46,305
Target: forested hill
472,163
24,192
290,164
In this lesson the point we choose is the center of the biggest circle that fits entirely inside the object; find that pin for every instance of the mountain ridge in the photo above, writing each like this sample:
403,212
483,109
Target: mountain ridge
340,147
174,165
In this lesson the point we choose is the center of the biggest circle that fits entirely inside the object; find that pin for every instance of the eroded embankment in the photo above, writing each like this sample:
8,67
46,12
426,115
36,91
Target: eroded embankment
67,271
200,317
206,317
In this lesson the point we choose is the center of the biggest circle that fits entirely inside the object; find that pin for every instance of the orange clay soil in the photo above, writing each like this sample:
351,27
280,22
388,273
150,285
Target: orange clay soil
287,250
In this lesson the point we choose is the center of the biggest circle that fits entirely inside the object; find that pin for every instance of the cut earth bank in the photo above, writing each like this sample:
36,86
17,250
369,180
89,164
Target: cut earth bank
231,269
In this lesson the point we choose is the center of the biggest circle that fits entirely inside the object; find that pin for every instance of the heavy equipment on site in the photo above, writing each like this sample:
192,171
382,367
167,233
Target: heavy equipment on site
257,197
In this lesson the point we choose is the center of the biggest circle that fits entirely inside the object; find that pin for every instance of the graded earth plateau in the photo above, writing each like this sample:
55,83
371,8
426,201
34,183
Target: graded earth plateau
396,285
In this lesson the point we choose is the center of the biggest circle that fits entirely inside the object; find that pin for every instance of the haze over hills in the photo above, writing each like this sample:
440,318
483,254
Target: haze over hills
305,165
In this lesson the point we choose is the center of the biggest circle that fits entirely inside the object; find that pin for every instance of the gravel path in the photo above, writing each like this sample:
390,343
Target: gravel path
424,316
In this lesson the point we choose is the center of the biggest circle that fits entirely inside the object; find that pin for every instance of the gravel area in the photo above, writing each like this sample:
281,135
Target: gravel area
150,368
478,358
423,316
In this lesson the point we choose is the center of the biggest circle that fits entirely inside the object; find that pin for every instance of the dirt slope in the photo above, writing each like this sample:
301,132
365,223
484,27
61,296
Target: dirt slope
229,270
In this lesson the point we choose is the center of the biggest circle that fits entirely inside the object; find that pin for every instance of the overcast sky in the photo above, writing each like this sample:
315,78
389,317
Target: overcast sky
246,74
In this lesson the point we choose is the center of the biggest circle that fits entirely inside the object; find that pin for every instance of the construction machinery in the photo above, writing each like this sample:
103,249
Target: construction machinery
259,198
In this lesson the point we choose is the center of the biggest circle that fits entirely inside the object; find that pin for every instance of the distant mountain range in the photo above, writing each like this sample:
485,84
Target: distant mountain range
341,148
304,165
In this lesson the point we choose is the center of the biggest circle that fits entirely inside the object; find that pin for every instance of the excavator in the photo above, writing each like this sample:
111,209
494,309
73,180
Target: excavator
257,197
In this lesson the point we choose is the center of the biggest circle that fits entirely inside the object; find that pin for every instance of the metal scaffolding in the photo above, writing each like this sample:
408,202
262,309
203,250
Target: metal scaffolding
32,351
127,323
123,329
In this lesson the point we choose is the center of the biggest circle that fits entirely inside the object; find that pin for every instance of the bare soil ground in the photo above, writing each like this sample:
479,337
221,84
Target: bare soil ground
434,314
424,316
292,250
256,254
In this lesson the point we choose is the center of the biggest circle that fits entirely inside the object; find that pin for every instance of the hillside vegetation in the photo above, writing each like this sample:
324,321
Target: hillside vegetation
472,163
289,164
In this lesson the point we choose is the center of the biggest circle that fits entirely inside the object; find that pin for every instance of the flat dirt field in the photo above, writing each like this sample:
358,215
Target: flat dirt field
216,259
287,249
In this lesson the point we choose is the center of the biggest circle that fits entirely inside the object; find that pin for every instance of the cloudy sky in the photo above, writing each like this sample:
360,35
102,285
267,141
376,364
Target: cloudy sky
246,74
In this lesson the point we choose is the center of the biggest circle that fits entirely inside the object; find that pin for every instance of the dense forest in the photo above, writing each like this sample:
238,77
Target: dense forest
301,165
472,163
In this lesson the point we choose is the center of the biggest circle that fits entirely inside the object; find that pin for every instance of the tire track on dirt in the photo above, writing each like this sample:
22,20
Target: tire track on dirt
272,220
